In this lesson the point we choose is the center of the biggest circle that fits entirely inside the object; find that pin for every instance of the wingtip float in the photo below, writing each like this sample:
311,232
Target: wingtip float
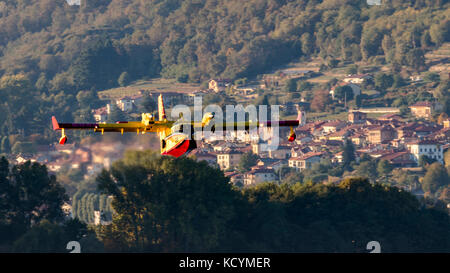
173,141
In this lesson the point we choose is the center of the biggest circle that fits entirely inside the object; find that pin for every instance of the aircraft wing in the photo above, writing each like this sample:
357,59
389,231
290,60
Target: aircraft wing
121,127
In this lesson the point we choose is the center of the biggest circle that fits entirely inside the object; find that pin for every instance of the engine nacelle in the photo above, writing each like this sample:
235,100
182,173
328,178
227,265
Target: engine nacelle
292,137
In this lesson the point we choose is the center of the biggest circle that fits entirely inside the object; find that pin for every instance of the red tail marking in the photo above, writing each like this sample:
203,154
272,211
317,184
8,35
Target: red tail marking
55,124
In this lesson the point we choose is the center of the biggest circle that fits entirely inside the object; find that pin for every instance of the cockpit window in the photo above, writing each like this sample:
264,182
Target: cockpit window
177,128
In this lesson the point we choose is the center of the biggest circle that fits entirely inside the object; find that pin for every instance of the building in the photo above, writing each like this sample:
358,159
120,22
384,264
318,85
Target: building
228,159
101,114
422,109
257,176
305,161
381,134
282,152
358,79
125,104
400,159
199,155
357,117
446,123
333,126
219,85
429,148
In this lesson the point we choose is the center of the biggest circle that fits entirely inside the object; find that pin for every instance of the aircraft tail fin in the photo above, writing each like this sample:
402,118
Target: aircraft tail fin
55,124
161,109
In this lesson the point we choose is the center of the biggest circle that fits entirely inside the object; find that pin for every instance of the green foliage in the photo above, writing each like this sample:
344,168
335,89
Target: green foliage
197,204
303,86
435,178
168,204
348,154
384,167
416,59
124,79
383,81
5,147
398,81
343,93
291,85
28,195
432,77
116,114
247,161
353,69
358,101
148,104
22,147
367,169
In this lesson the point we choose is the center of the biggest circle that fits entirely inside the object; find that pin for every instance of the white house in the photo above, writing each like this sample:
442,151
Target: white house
305,161
357,78
257,176
430,148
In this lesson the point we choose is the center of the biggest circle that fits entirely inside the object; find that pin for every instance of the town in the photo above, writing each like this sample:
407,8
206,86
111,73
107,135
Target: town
406,144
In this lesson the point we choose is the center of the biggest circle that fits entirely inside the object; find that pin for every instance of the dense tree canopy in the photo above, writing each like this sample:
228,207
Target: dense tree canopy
58,43
167,204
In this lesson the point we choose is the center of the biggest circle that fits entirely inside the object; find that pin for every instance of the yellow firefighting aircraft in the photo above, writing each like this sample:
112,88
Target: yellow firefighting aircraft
172,139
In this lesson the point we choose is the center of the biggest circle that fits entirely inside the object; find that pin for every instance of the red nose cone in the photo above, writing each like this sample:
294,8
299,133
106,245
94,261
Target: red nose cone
63,140
292,138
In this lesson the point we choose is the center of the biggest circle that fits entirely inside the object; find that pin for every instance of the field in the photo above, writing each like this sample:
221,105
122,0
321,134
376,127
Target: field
154,85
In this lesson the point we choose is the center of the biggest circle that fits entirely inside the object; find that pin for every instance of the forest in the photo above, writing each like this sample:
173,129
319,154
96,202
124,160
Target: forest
63,48
165,204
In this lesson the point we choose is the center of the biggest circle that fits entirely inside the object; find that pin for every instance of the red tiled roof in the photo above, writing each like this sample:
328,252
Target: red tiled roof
422,104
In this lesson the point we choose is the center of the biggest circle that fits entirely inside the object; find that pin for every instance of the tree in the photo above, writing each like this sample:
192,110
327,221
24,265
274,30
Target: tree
367,169
358,101
183,78
303,86
432,77
148,104
348,154
307,43
124,79
383,81
343,93
116,114
435,178
320,101
247,161
29,195
439,33
353,69
425,160
88,99
5,146
291,85
384,168
398,81
167,204
415,58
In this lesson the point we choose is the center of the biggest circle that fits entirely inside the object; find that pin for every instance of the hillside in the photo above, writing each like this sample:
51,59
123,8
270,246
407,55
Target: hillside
64,47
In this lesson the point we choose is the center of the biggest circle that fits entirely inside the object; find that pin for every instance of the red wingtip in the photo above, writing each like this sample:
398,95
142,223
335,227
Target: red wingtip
55,124
63,140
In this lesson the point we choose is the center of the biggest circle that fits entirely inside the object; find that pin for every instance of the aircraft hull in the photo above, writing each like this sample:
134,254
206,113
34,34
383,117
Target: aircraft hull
178,145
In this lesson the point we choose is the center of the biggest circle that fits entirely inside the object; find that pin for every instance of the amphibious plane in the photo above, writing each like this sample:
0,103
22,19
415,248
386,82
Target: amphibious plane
173,140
